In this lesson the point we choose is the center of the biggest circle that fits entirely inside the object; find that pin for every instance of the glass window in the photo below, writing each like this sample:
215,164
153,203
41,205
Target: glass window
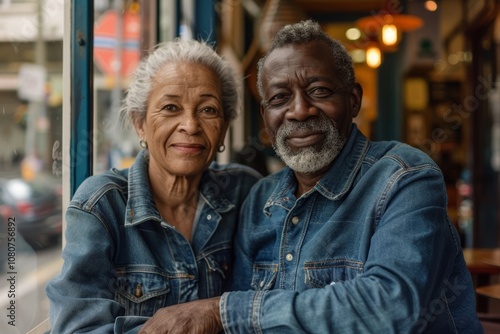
124,32
31,43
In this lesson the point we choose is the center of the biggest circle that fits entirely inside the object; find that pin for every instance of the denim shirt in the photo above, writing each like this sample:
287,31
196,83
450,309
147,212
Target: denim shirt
369,249
122,262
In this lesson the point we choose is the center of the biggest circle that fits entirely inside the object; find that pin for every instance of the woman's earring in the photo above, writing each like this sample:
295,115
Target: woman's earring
143,143
221,148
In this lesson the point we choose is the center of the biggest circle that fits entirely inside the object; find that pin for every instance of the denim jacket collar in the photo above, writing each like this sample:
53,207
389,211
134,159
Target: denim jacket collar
338,179
141,206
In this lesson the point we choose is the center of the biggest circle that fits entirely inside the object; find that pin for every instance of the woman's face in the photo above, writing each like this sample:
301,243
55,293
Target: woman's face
184,124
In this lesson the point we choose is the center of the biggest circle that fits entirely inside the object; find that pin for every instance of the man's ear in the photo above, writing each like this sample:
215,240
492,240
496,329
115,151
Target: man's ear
261,106
263,115
355,98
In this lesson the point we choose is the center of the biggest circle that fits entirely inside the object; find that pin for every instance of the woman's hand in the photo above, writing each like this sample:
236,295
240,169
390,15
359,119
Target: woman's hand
201,316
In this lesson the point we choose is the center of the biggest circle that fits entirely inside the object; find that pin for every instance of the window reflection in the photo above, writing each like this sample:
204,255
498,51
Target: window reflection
117,45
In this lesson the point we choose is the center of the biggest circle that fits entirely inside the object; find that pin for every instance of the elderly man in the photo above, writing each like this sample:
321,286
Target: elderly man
352,236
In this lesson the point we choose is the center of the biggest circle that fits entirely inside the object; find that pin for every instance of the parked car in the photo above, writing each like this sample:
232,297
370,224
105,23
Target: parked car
35,207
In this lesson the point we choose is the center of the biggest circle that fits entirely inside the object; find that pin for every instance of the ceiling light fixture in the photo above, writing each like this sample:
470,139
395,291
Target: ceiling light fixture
373,57
388,27
431,6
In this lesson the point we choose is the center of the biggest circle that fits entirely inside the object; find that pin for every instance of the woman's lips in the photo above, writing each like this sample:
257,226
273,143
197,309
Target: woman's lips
188,147
305,140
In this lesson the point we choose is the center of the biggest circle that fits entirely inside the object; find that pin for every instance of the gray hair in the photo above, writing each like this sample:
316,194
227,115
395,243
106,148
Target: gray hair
306,32
135,104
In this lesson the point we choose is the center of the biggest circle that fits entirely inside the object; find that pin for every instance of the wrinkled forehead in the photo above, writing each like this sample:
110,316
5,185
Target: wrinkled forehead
300,61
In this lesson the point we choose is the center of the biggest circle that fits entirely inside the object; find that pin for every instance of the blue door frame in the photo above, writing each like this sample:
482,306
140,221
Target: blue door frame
82,92
82,76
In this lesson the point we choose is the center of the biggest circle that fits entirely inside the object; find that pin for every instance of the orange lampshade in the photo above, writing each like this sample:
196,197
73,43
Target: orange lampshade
388,27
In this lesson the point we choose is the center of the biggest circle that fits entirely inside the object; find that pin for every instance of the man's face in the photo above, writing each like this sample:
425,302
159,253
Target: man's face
307,110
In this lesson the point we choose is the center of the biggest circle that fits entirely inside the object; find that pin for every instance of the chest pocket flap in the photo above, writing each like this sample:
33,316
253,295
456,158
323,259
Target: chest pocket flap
142,293
264,276
321,274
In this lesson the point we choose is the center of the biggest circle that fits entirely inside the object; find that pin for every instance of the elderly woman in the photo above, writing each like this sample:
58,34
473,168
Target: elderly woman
159,233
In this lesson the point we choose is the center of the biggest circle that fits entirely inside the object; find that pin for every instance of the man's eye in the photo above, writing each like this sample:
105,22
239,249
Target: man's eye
320,92
278,99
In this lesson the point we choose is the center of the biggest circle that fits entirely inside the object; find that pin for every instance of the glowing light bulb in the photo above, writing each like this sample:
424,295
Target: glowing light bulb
389,34
431,6
373,57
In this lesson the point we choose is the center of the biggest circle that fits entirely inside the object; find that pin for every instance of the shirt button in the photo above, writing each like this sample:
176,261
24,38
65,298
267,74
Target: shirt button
295,220
209,217
289,257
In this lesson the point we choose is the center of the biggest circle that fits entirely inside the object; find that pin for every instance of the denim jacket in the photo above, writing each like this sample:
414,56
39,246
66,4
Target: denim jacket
369,249
122,262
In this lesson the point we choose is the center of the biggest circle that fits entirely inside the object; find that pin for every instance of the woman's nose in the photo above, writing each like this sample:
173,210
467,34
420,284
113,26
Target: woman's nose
190,123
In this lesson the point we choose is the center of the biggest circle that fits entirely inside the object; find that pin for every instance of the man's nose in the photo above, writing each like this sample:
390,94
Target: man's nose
301,108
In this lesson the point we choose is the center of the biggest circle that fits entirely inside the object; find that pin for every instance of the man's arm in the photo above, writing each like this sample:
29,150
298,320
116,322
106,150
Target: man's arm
406,274
407,271
200,316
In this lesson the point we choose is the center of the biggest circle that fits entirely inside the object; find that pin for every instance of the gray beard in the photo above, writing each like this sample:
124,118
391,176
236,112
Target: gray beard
309,159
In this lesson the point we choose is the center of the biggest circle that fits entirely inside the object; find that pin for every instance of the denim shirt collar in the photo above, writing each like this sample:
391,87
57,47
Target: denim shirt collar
338,179
212,190
141,206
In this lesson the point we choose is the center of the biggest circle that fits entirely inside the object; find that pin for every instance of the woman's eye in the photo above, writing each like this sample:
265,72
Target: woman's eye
209,112
170,107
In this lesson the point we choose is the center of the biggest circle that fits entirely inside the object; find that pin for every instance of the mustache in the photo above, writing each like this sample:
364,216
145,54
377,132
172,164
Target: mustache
317,124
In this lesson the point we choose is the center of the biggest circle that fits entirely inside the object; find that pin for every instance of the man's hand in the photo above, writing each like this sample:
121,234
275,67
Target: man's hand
201,316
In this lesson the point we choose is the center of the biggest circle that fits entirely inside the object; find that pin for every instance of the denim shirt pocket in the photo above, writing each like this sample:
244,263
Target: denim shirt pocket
214,265
321,274
264,276
142,293
215,270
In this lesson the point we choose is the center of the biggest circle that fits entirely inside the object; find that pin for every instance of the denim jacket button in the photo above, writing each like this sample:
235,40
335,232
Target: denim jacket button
209,217
138,291
295,220
289,257
261,284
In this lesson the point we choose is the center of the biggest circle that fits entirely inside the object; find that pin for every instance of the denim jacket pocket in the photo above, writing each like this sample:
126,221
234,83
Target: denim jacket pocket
264,276
321,274
215,269
142,293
